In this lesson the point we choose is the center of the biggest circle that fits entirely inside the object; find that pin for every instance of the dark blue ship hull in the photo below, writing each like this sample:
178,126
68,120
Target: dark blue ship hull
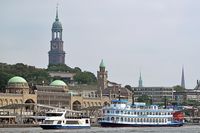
62,127
107,124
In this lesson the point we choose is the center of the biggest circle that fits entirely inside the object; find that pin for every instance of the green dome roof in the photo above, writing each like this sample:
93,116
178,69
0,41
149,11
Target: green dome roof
58,83
102,64
17,79
57,25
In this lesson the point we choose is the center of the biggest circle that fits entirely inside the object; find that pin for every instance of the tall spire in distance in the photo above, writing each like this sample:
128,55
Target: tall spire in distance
183,78
140,81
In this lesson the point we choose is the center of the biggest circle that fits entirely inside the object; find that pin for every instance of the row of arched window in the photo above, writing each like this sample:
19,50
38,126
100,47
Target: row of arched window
10,101
147,120
135,113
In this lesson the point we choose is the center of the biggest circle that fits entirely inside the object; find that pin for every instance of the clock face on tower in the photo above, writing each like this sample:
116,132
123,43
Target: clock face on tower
54,46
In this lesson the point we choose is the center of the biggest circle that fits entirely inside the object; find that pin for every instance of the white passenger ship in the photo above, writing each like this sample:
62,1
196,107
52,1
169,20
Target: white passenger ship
122,114
62,120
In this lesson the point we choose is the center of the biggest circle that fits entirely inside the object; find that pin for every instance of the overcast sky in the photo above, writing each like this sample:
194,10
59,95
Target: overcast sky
157,37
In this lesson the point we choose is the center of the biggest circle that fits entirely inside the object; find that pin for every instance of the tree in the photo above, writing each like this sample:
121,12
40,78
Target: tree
59,67
178,88
144,98
39,76
85,78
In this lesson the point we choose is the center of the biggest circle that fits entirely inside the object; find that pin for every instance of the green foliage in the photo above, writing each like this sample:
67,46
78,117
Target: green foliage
85,78
191,103
30,73
144,98
37,76
80,77
178,88
60,67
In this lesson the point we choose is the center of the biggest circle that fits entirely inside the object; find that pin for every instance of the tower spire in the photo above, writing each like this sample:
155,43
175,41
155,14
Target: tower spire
183,78
140,81
57,13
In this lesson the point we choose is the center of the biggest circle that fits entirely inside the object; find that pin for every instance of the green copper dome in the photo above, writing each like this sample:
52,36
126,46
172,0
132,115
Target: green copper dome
17,79
102,64
58,83
57,25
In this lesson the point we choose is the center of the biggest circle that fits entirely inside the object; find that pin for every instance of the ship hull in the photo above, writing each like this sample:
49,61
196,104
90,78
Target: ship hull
62,127
107,124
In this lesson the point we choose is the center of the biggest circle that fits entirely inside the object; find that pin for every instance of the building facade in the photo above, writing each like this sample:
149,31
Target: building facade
17,92
157,94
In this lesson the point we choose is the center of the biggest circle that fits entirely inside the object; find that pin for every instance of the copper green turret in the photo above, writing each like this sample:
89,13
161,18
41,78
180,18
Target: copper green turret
102,76
102,64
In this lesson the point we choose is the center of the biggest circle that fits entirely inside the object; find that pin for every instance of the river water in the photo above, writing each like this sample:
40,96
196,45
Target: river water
183,129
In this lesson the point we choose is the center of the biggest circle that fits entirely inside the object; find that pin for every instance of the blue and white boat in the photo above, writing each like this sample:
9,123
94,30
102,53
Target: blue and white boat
122,114
62,120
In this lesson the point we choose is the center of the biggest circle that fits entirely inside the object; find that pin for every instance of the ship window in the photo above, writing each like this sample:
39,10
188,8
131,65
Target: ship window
86,121
122,119
117,118
156,113
72,122
112,118
48,122
108,118
125,119
117,112
59,122
108,111
134,113
121,112
128,119
54,114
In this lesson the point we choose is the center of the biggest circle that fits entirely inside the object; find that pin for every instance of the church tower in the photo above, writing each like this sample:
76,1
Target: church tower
102,76
56,53
140,81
